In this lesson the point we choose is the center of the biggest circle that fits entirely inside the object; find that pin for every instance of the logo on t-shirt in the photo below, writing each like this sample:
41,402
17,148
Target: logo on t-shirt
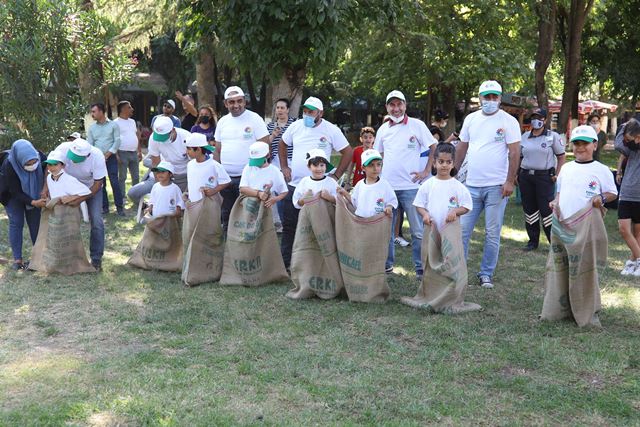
543,145
211,180
413,142
500,135
324,142
453,202
591,190
248,132
379,205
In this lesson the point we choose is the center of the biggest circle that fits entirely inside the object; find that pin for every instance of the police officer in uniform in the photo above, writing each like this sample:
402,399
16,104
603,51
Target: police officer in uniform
542,157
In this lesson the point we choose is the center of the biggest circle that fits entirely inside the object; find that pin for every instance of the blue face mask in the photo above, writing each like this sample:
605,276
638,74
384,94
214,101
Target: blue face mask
490,107
309,121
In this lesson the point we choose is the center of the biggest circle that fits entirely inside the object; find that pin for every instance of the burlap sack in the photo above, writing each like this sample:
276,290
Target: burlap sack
445,272
202,241
59,247
315,269
252,253
362,244
160,247
578,250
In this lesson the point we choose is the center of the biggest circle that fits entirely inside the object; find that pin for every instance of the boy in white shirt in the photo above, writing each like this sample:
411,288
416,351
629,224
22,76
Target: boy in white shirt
318,182
260,178
166,197
205,176
372,195
62,185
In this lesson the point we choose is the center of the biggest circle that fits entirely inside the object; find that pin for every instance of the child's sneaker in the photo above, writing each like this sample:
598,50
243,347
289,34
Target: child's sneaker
485,282
388,270
629,268
636,272
401,242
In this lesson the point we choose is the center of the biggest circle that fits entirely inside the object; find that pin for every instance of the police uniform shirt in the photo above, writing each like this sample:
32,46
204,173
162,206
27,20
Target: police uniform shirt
539,152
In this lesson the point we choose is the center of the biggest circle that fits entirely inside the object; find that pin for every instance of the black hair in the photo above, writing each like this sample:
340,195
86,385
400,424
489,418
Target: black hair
447,148
100,106
632,128
285,100
593,116
121,105
315,161
435,130
440,115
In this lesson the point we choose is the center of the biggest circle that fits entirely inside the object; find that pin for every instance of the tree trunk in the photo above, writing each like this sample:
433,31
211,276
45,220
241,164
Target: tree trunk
577,16
449,107
206,81
547,11
218,85
290,86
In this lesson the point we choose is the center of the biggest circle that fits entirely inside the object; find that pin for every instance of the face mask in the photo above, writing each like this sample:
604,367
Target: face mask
537,124
395,119
309,121
32,167
205,119
490,107
57,174
595,126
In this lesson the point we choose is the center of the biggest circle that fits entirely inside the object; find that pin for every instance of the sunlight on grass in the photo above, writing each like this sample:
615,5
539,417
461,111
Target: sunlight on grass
519,235
627,298
23,309
38,367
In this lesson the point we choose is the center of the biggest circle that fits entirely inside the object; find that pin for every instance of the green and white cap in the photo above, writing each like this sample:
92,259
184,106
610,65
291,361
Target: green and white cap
370,155
258,152
55,157
162,128
199,140
317,152
313,103
490,87
584,133
163,166
79,150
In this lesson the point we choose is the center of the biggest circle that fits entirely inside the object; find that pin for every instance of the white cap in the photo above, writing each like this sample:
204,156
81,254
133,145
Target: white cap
163,166
75,135
584,133
490,87
313,103
395,94
55,157
162,126
317,152
232,92
369,155
80,147
197,140
258,150
171,102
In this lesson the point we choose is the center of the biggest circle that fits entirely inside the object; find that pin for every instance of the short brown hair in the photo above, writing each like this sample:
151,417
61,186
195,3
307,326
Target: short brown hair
367,129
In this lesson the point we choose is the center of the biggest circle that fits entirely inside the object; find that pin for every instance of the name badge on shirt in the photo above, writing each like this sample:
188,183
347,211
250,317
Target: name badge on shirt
248,133
413,142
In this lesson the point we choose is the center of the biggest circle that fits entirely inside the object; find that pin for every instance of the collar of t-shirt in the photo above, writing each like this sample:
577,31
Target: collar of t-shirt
585,163
404,121
318,179
546,132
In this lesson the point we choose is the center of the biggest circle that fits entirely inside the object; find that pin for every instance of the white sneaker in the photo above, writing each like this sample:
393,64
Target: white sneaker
629,268
400,241
636,272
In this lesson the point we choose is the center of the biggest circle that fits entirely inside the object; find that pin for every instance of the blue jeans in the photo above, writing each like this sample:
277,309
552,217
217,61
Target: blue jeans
491,201
112,171
405,199
96,241
17,212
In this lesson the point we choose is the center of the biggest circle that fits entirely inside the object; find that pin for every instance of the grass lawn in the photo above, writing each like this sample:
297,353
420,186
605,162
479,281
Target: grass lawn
129,347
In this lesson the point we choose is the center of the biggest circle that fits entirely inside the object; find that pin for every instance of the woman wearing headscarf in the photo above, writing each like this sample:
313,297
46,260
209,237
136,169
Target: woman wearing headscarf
24,175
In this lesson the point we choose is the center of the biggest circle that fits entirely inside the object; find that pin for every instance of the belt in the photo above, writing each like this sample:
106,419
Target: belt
538,172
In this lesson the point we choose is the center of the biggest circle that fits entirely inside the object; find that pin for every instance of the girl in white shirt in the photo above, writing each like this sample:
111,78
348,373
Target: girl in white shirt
260,178
318,182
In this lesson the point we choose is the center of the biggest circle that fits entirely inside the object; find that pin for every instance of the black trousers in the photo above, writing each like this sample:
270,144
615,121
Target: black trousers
229,196
537,191
289,225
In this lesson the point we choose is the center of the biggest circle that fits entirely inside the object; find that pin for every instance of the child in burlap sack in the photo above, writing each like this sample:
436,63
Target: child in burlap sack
205,176
261,179
441,200
578,235
166,197
318,182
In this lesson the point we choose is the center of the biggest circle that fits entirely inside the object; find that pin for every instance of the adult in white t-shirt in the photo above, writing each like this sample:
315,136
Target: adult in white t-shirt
171,143
490,140
129,152
234,134
312,132
400,141
86,163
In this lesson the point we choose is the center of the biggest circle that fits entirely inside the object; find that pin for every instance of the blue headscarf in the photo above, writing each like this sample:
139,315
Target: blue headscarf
21,152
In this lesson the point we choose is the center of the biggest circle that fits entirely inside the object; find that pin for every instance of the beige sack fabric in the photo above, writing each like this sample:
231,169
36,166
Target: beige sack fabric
252,253
445,272
315,269
59,247
202,241
578,250
362,244
160,247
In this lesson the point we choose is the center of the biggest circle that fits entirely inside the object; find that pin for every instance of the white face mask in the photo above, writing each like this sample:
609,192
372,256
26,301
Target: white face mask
397,119
32,167
490,107
536,124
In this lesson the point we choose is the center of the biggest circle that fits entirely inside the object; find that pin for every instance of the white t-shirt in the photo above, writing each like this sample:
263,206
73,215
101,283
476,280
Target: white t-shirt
371,199
173,152
208,174
236,135
256,178
165,199
66,185
402,145
326,136
307,183
128,134
92,169
579,182
488,155
438,196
